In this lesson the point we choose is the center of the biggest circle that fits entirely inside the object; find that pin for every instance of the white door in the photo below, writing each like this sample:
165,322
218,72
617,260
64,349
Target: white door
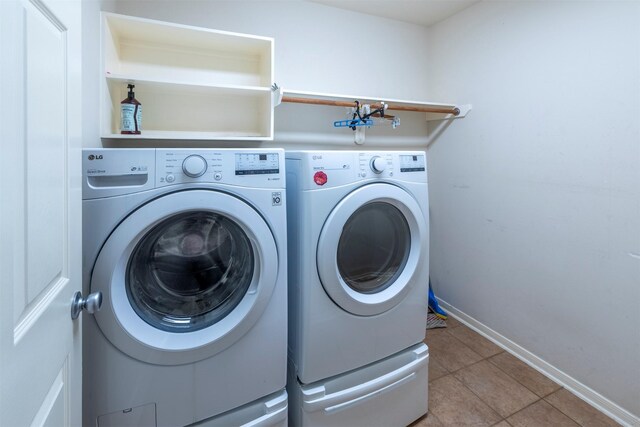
40,212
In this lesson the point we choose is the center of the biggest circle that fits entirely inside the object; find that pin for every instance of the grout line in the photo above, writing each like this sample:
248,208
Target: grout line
539,398
486,403
605,406
566,415
520,410
486,359
524,385
517,382
569,416
453,337
479,398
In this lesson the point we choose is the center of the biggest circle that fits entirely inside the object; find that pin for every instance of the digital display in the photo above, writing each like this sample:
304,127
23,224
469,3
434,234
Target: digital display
257,164
412,163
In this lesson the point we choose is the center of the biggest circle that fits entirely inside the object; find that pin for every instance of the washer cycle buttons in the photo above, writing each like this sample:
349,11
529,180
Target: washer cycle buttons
170,178
194,166
217,176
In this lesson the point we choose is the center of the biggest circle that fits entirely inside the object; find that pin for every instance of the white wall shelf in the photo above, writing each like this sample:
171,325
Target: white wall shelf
193,83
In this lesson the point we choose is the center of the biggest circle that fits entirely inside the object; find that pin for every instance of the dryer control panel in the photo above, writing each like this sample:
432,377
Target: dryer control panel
327,169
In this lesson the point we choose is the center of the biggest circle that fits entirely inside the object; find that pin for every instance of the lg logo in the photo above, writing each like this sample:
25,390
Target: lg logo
95,157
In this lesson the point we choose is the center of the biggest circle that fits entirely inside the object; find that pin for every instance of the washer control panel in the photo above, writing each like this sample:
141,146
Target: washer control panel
257,163
236,167
194,166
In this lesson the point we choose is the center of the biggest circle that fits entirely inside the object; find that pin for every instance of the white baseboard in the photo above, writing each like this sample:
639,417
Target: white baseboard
585,393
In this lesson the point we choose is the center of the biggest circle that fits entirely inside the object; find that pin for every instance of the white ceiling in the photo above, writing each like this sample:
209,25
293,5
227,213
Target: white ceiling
421,12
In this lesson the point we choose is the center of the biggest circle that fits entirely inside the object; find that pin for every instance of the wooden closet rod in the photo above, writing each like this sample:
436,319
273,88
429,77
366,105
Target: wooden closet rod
445,110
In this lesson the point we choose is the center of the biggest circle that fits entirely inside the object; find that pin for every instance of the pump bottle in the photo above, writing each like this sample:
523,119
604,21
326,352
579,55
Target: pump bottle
130,114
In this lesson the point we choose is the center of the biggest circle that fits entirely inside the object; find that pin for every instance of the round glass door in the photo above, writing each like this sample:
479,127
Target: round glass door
374,247
370,248
189,271
185,276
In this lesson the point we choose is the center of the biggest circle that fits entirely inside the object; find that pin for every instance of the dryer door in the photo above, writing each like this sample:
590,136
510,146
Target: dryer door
370,248
184,276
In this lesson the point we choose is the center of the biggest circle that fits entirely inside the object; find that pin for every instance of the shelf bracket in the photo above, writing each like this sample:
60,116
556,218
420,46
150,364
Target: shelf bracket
276,95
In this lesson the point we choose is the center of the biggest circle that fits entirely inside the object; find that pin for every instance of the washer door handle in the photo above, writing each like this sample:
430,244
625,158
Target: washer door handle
92,303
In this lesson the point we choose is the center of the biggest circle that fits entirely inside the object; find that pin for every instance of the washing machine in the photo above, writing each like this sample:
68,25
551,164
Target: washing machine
358,284
188,248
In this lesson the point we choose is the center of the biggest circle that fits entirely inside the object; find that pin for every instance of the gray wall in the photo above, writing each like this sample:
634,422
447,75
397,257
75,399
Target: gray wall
535,196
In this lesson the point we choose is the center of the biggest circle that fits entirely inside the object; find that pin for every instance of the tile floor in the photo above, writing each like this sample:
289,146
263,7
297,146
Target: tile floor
473,382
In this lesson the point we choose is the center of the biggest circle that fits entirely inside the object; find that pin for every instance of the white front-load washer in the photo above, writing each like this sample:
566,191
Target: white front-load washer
358,230
188,248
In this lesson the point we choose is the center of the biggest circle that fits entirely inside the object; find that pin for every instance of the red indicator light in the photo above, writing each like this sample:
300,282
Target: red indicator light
320,178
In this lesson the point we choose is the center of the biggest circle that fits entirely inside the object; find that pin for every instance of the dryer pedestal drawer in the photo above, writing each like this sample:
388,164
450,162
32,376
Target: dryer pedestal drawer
391,392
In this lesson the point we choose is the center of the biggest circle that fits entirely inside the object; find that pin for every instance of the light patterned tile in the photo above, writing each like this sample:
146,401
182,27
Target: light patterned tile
451,353
475,341
428,420
431,333
579,410
455,405
436,370
498,390
525,374
540,414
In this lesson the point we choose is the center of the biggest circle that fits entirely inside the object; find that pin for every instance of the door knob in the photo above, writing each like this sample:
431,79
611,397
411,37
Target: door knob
91,303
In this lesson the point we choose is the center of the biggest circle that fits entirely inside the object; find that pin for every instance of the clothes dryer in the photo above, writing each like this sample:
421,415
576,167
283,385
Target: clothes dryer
358,257
358,283
188,248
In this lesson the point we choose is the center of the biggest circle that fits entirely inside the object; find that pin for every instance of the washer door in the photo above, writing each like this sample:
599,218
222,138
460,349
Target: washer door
185,276
370,248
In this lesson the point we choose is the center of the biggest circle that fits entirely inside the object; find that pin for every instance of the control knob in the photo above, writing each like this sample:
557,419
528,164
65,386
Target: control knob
194,166
378,164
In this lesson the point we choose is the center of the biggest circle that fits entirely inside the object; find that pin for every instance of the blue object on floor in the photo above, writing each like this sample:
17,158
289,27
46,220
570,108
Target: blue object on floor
434,306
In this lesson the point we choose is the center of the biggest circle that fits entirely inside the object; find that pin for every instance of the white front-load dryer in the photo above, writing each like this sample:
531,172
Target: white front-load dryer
188,248
358,257
358,286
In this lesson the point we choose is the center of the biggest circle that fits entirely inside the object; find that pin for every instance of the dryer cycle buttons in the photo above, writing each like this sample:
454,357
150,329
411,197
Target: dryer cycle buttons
378,164
320,178
217,176
170,178
194,166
